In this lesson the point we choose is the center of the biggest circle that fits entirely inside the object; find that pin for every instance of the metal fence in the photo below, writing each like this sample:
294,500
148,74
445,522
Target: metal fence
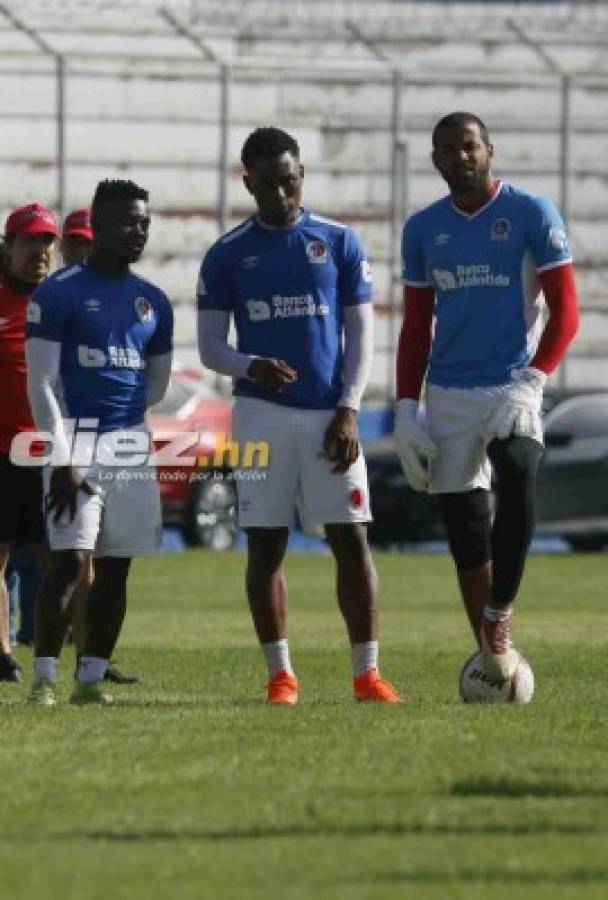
393,122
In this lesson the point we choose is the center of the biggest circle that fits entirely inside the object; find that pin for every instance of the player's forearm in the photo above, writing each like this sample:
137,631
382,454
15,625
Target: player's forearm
414,340
358,353
214,350
158,371
43,360
559,288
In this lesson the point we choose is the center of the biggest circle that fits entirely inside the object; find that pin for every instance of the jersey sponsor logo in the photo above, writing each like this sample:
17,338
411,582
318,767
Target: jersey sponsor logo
115,358
558,238
258,310
500,230
316,251
293,307
444,280
366,271
33,313
144,310
476,275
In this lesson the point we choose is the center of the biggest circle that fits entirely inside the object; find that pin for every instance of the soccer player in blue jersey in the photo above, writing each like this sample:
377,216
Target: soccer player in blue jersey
299,289
99,345
477,263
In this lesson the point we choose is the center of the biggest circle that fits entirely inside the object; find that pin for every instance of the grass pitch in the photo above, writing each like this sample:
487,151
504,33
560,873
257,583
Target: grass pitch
193,788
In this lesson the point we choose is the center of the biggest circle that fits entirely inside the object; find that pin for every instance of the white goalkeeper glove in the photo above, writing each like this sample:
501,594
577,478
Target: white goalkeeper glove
414,446
519,412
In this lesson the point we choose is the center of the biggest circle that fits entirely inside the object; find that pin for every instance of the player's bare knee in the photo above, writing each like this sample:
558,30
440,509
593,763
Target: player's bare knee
266,549
348,544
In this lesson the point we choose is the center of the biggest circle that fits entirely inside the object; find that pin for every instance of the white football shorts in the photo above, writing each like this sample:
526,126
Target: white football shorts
456,420
122,518
297,476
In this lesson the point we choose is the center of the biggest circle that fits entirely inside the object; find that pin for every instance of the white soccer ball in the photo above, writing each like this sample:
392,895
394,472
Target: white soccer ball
476,686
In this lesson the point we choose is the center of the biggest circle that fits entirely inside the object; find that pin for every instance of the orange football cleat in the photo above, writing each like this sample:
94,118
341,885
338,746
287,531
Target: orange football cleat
283,689
371,686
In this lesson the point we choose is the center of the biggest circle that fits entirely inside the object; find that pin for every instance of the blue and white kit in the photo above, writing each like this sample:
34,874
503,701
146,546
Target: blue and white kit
107,327
93,345
289,291
484,268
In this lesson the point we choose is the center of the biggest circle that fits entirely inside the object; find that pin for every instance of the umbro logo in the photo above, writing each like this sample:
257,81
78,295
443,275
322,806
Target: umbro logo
250,262
92,305
441,239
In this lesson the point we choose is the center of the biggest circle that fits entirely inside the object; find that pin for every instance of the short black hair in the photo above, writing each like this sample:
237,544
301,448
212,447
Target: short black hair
268,142
111,190
460,120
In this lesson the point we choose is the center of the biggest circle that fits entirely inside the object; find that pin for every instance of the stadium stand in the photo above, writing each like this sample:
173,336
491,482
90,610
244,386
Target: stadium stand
142,98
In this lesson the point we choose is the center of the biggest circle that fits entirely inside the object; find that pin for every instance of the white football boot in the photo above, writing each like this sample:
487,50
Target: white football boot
500,656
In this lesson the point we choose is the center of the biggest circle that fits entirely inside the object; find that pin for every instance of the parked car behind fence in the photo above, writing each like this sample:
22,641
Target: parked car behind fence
572,482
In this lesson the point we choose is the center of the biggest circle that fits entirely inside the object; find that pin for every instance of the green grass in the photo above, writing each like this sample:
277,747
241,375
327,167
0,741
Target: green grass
193,788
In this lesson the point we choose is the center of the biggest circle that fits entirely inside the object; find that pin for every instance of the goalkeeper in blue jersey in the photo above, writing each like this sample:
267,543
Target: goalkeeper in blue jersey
490,308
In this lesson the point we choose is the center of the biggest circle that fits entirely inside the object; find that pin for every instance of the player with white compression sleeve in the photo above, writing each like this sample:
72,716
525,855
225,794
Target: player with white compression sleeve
99,344
299,289
476,266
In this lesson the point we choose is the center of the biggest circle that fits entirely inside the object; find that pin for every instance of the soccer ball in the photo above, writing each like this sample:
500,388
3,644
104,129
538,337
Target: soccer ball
476,686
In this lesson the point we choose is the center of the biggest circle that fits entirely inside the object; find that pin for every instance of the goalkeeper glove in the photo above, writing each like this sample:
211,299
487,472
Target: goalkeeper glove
520,409
414,446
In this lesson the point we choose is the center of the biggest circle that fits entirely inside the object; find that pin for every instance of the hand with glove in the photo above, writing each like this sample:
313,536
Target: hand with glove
414,446
519,412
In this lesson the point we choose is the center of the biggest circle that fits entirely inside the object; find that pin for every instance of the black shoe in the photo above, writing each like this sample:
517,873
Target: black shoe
117,677
10,670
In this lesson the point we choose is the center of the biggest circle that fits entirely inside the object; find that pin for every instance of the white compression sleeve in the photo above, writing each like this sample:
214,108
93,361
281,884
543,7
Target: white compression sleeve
215,351
43,360
358,352
158,370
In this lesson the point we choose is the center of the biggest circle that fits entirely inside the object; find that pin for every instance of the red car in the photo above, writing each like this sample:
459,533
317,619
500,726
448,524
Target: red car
192,420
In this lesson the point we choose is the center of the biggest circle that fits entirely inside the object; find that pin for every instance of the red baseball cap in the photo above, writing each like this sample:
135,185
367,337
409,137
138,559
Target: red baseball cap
32,219
78,222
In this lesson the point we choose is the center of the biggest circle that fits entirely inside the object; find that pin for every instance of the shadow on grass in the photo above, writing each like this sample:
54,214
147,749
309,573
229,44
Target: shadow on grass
516,788
490,876
312,830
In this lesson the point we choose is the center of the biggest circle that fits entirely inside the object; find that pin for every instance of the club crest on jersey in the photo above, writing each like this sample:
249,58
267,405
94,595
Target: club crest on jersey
316,251
558,239
33,313
143,308
500,230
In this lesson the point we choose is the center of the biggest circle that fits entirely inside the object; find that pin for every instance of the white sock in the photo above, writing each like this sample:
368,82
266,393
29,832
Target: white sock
497,615
92,668
276,654
364,657
45,667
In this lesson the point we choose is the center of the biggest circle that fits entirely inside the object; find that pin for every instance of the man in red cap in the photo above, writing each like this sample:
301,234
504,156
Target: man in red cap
26,259
77,237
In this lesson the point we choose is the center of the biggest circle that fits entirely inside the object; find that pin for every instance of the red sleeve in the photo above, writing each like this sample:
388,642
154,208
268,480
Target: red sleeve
414,340
559,288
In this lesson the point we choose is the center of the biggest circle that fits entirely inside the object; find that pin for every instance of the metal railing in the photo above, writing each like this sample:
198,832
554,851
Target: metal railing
203,64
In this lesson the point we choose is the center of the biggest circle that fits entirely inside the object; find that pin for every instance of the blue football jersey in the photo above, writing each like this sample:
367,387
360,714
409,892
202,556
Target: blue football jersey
286,289
106,327
484,268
